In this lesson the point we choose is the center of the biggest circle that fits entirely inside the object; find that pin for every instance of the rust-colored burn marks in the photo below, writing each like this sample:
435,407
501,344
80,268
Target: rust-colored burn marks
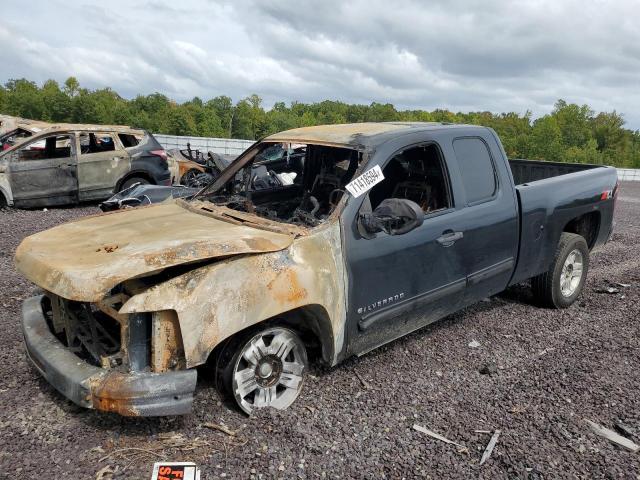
286,288
167,349
108,248
216,301
70,261
112,393
336,134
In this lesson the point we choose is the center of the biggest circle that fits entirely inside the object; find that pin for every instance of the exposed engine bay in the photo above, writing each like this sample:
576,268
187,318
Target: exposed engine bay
298,184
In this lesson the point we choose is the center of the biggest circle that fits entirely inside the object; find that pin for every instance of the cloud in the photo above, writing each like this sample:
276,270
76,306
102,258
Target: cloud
496,55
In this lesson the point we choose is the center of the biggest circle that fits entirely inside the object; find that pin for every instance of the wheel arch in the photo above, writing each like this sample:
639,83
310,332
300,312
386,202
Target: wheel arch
586,225
132,174
313,324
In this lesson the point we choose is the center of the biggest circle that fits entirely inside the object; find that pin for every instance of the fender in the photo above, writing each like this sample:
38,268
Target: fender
216,301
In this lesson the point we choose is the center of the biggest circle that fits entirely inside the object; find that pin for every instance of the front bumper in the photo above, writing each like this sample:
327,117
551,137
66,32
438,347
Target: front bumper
130,394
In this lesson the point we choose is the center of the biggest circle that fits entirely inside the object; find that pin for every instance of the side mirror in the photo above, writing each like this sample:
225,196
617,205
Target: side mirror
394,216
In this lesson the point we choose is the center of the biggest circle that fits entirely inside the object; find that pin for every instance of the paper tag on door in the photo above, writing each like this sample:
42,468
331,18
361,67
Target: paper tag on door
364,182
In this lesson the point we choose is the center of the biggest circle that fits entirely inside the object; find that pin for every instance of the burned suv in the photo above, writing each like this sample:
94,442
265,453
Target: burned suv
64,164
358,235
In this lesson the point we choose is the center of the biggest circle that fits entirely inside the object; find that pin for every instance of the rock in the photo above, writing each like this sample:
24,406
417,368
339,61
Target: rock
474,344
489,369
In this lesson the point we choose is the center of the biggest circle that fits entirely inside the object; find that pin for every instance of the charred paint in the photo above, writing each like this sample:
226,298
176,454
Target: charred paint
335,135
111,393
286,288
69,261
215,301
167,350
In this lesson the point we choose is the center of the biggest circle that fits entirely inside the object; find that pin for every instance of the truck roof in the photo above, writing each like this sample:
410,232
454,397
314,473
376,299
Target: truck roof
367,134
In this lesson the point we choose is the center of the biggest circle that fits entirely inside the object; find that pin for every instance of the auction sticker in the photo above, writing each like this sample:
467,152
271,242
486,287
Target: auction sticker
175,471
364,182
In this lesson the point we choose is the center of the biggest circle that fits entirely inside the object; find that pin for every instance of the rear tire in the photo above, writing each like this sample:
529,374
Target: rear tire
263,367
132,181
562,284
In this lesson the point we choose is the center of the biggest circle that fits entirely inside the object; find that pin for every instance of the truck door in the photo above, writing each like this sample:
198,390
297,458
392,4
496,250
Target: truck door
398,283
491,234
44,172
101,163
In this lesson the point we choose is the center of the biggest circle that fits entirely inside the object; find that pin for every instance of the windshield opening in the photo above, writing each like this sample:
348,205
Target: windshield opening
299,184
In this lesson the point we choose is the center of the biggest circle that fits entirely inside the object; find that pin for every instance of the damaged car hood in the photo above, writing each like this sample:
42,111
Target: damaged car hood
84,259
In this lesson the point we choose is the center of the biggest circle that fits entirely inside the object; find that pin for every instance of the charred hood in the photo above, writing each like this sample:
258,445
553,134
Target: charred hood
83,260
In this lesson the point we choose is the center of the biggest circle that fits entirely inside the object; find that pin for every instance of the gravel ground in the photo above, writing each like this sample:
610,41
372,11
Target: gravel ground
554,369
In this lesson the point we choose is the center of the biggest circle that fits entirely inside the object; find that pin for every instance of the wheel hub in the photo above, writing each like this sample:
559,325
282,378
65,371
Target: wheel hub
571,275
268,371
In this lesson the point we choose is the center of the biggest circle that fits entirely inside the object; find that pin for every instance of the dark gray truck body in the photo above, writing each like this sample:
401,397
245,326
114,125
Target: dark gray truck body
504,240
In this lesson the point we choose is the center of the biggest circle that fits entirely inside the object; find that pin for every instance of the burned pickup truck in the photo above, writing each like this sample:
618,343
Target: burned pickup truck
385,228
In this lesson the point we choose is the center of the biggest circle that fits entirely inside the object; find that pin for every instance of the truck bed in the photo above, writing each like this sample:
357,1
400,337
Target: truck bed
525,171
550,196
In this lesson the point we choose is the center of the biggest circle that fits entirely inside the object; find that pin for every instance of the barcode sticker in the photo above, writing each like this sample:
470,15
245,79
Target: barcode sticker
364,182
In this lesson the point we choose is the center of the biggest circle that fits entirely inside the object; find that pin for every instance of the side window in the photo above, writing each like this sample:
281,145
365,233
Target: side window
416,174
96,143
54,146
128,140
476,168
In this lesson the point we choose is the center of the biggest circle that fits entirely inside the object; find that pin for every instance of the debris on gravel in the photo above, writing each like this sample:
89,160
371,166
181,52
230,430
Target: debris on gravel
608,290
556,368
489,369
421,429
625,430
490,446
613,436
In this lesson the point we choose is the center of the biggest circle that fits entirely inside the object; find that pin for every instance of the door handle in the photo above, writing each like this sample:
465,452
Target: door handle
65,166
449,237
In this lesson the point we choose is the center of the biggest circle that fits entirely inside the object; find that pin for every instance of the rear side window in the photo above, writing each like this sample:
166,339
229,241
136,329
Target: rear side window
476,167
96,143
128,140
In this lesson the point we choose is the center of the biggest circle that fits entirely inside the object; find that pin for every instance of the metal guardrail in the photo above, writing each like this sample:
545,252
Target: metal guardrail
224,146
629,174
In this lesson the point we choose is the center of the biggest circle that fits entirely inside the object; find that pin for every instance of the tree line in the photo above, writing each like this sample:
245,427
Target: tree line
570,133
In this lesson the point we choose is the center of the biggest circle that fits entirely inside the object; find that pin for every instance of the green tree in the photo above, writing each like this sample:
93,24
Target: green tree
71,86
546,139
574,123
23,99
570,132
56,104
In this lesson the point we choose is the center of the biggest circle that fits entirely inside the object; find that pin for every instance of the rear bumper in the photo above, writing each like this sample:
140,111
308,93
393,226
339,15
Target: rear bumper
130,394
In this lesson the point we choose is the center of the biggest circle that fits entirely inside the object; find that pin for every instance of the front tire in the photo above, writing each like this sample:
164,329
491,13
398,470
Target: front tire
263,368
562,284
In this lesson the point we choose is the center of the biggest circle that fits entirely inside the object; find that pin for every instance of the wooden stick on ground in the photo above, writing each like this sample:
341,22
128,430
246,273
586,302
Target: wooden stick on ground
422,429
613,436
490,446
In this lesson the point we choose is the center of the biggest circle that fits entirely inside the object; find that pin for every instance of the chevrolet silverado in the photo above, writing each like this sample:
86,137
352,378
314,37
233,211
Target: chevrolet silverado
378,230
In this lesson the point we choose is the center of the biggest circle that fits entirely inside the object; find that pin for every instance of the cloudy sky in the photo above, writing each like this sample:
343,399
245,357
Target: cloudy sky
496,55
